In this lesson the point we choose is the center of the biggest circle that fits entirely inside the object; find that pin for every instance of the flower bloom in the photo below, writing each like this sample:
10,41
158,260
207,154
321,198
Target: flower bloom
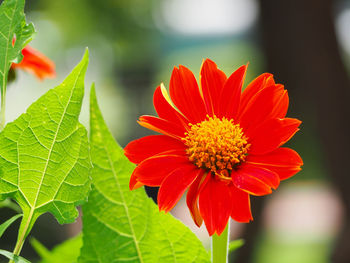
36,63
220,144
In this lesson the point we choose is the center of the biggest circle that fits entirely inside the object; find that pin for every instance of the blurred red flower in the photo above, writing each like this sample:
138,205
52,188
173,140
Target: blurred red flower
36,63
219,144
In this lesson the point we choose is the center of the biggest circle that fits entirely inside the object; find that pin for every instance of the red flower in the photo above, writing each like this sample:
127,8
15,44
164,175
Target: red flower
219,144
36,63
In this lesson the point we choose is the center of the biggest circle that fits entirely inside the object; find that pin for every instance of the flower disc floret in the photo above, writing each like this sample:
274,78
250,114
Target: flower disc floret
216,144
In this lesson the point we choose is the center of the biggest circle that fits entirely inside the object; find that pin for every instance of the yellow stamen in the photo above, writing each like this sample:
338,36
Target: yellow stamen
216,144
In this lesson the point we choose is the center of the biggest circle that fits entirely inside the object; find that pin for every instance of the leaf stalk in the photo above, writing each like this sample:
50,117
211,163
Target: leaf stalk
24,229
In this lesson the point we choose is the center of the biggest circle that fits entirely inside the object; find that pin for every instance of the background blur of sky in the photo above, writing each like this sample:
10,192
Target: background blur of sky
134,44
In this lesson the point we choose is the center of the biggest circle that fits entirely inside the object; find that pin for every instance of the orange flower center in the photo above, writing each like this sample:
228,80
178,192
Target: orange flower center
216,144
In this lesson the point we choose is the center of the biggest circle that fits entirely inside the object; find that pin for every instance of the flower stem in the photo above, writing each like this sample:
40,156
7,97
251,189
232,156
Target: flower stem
219,246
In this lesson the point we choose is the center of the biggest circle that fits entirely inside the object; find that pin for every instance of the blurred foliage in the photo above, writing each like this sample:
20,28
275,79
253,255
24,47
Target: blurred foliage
128,24
68,251
272,250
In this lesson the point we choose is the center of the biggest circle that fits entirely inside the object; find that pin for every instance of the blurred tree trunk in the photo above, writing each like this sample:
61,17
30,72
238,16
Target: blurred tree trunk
299,41
245,254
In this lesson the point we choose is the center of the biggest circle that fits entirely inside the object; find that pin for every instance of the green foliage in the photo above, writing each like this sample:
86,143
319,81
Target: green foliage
67,252
15,258
44,155
120,225
7,223
290,249
12,23
8,203
235,244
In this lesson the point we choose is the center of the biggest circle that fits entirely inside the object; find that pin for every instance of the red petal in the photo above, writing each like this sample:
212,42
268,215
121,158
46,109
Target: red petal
240,205
165,110
162,126
215,205
192,197
175,184
143,148
284,161
212,83
281,107
134,184
36,63
272,134
231,94
185,94
154,170
254,87
266,104
255,180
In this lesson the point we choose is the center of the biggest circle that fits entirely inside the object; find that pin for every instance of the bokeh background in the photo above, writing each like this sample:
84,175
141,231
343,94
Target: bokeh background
134,44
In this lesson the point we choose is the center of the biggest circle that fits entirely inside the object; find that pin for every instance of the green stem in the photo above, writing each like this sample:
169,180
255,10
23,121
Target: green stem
219,246
25,227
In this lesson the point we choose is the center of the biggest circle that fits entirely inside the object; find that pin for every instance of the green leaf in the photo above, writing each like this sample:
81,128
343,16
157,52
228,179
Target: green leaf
7,223
11,256
12,23
120,225
235,244
44,155
67,252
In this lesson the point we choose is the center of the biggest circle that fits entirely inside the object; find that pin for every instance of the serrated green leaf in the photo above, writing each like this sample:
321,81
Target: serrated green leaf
44,156
67,252
12,23
11,256
124,226
7,223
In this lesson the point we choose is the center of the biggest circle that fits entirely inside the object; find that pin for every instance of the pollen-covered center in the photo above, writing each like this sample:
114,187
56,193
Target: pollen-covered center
216,144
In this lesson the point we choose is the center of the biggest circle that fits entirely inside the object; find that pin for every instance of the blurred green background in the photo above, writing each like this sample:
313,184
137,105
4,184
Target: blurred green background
134,44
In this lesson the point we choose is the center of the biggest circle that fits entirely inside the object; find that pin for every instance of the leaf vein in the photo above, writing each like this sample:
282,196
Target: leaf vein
126,208
54,139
